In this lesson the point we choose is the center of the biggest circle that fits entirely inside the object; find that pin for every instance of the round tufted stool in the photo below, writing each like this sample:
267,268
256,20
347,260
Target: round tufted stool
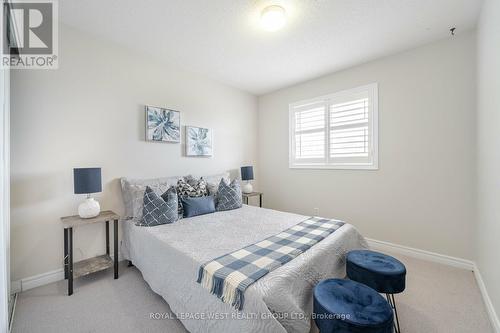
379,271
345,306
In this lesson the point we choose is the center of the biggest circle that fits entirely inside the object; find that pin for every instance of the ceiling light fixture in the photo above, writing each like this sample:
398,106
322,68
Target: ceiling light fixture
273,18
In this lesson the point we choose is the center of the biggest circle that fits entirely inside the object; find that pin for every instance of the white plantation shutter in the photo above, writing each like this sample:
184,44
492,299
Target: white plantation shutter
335,131
310,132
349,130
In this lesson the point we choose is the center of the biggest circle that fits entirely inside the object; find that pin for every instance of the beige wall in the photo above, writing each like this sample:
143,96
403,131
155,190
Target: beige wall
422,195
488,147
90,112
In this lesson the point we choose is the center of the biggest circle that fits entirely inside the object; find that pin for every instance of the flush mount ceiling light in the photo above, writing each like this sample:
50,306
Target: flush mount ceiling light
273,18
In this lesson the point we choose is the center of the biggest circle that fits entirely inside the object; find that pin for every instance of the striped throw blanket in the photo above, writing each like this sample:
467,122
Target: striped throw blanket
230,275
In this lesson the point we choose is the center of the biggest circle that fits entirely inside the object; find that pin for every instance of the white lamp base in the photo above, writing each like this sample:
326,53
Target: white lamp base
247,188
89,208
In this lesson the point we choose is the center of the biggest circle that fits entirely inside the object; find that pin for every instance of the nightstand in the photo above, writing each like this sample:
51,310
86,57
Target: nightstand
246,196
91,265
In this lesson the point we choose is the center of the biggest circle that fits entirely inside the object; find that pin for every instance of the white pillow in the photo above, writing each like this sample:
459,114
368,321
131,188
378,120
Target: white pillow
214,180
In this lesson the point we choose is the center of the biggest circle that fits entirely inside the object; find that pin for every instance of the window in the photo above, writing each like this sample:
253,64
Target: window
337,131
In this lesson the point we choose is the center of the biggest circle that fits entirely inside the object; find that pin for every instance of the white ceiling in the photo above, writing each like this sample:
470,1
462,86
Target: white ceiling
222,39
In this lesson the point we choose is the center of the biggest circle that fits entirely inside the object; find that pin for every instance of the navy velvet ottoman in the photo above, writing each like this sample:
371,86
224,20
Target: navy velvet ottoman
379,271
345,306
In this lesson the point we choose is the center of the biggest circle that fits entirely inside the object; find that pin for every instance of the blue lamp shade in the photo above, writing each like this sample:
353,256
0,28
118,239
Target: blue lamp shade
247,173
87,180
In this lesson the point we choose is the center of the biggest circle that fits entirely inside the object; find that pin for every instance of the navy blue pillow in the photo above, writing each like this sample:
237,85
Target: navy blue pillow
193,206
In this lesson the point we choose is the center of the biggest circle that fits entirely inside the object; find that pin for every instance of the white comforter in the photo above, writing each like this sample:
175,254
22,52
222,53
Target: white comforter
169,257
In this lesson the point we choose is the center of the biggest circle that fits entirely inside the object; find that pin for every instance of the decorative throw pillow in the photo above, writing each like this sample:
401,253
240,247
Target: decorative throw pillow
133,193
214,180
159,210
191,180
229,196
195,189
197,206
212,189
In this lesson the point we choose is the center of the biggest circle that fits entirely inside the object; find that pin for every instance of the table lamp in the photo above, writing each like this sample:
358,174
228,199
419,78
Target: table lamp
87,181
247,175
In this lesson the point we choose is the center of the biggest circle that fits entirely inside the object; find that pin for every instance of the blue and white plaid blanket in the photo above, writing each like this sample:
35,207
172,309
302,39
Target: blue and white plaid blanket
230,275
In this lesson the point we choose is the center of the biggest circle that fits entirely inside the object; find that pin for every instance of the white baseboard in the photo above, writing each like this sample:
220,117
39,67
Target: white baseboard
495,322
421,254
15,286
42,279
445,260
36,281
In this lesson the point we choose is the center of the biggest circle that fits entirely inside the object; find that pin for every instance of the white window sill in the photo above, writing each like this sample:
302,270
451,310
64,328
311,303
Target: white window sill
336,167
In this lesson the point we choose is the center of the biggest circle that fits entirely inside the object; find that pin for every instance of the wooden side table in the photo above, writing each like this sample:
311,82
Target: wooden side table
91,265
246,196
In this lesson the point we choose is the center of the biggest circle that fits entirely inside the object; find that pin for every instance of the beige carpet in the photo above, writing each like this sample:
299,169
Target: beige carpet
437,299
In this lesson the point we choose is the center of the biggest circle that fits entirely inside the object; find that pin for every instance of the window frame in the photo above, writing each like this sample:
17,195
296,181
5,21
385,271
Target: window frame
372,90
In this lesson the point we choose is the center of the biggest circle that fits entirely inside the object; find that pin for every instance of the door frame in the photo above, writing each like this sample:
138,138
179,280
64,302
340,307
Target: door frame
4,200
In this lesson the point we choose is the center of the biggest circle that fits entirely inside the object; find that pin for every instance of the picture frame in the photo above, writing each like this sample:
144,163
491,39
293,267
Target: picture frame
162,124
199,141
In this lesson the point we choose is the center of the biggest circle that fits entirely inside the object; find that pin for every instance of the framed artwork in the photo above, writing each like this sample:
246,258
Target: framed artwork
199,141
163,125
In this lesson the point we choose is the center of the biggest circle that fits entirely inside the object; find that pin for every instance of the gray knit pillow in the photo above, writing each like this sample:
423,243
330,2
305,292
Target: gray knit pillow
229,196
159,210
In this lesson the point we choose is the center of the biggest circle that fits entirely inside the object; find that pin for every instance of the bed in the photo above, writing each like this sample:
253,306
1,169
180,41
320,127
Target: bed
169,257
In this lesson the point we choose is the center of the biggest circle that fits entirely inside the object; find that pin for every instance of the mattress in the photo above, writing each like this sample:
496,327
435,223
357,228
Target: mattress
169,257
